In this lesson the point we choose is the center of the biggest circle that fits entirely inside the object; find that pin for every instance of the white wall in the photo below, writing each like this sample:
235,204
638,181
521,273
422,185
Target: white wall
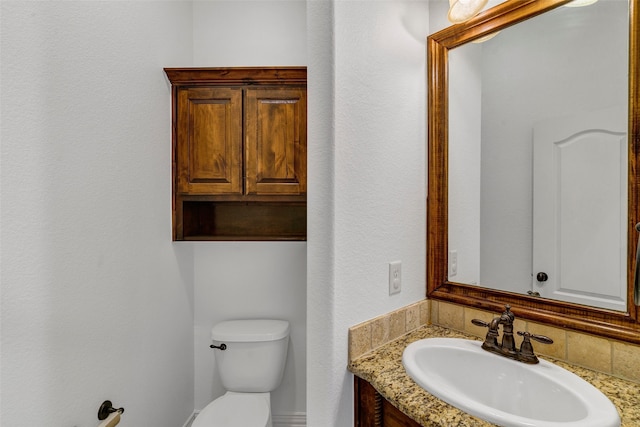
84,106
251,279
97,303
230,33
366,180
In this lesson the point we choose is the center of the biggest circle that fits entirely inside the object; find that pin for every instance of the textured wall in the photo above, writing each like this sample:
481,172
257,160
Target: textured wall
251,279
97,303
236,280
232,33
367,180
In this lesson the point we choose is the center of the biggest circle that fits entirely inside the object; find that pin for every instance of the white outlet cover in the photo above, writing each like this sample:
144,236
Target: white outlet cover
453,262
395,277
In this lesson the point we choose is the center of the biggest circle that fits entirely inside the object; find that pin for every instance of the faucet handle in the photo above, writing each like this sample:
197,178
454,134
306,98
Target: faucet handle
479,322
526,354
540,338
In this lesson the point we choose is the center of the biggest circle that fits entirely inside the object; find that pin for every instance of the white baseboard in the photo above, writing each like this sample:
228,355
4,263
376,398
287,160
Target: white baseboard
296,419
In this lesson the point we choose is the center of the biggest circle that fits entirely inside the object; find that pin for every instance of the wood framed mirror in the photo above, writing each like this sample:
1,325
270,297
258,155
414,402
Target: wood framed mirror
616,324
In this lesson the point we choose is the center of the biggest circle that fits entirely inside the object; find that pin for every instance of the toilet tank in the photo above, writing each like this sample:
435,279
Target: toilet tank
255,356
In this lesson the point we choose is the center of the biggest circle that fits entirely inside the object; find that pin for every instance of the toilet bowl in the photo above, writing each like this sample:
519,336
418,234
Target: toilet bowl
250,356
236,410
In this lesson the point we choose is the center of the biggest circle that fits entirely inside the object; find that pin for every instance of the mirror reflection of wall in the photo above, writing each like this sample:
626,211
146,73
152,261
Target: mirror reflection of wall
565,63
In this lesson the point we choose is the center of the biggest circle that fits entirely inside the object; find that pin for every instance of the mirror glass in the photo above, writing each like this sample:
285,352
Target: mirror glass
538,157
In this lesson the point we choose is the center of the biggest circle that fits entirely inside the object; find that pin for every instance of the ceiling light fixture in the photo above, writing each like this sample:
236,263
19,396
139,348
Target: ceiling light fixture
579,3
485,38
462,10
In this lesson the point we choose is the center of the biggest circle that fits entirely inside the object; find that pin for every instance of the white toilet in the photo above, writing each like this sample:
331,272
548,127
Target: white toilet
250,366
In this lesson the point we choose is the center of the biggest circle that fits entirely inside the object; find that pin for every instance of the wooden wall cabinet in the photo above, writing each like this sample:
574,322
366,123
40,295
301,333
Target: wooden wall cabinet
373,410
239,153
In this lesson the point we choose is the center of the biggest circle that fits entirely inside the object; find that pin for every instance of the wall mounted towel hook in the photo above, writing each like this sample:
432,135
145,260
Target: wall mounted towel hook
107,408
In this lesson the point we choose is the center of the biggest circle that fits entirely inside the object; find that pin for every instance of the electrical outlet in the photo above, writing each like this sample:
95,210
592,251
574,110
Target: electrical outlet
395,277
453,262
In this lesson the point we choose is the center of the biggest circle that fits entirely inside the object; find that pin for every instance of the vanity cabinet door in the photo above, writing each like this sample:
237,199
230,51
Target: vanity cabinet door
373,410
367,405
393,417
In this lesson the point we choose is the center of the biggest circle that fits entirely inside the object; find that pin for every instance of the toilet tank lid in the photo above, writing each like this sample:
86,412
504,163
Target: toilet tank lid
250,330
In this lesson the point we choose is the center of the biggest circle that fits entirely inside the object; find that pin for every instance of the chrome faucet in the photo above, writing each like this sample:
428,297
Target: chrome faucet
507,347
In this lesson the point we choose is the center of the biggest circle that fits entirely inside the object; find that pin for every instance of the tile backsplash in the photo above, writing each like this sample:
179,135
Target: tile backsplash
600,354
376,332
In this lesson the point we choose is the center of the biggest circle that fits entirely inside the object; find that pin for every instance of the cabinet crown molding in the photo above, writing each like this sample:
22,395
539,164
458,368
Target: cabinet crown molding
237,76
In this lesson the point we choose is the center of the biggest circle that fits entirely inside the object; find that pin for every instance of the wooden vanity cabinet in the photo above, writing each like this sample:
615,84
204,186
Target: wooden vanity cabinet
373,410
239,153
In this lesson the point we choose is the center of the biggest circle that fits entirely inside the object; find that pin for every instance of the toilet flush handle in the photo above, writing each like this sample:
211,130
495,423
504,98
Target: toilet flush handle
222,346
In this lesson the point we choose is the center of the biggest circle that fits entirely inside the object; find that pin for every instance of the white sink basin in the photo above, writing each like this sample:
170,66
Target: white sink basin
503,391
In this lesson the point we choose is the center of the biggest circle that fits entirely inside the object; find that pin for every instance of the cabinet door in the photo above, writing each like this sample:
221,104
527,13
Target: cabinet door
394,417
373,410
209,141
276,141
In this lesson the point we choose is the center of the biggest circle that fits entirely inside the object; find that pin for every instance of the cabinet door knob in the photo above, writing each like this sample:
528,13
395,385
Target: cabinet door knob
542,277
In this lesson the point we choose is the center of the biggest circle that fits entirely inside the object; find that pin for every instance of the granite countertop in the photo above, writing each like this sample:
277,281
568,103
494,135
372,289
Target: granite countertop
383,369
